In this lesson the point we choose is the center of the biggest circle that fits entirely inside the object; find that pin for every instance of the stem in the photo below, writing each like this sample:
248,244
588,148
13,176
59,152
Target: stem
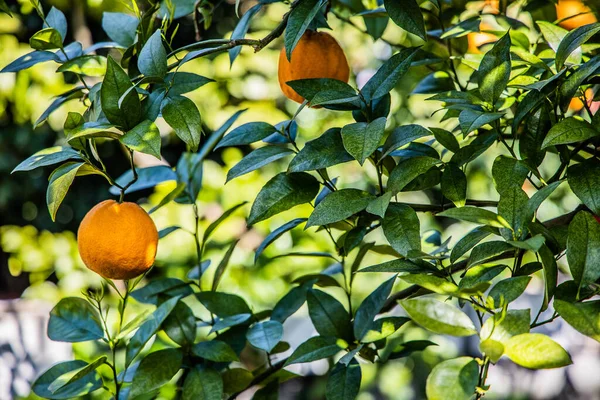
134,180
483,377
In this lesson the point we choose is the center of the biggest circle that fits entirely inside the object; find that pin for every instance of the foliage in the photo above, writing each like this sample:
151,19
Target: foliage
515,95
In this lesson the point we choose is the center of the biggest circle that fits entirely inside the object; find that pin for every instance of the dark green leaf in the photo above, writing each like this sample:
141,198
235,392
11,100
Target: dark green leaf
49,156
275,234
183,116
573,40
257,159
247,133
281,193
370,307
215,350
152,60
124,112
475,215
494,71
183,82
402,136
468,242
398,266
166,287
315,348
29,60
407,170
407,15
338,206
180,325
205,384
454,184
509,290
386,78
584,317
380,205
344,381
241,29
223,265
155,370
583,249
299,19
74,320
471,120
60,182
80,387
328,315
362,139
584,180
401,228
322,152
569,130
75,375
265,335
120,27
488,250
223,304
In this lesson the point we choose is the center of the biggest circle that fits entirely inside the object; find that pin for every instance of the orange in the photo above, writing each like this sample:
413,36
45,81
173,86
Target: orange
117,241
568,8
491,6
317,55
477,39
576,104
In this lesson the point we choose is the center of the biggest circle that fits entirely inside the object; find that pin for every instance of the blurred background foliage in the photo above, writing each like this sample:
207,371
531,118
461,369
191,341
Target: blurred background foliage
39,258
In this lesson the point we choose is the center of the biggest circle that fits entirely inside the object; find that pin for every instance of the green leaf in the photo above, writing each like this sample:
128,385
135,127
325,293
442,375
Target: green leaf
485,251
532,244
339,205
471,120
183,82
569,130
144,137
205,384
161,288
323,90
223,304
407,348
454,379
408,170
584,317
228,322
344,381
240,30
454,184
281,193
446,139
49,156
74,320
380,205
257,159
322,152
29,60
467,242
494,70
475,215
508,172
315,348
60,182
512,207
87,65
398,266
152,60
402,228
80,387
382,328
550,274
275,234
75,375
509,290
121,28
439,317
124,112
247,133
402,136
180,325
299,19
407,15
536,351
148,329
216,223
370,307
573,40
4,8
155,370
328,315
46,39
583,249
386,77
215,350
361,139
183,116
265,335
443,286
502,326
584,180
223,265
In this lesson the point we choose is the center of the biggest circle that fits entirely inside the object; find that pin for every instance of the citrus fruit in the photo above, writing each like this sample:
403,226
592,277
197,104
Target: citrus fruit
568,8
317,55
117,240
477,39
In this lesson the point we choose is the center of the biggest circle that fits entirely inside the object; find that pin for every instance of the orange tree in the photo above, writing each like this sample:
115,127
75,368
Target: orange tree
511,91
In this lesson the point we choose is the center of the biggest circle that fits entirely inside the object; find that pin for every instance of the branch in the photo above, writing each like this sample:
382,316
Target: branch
260,377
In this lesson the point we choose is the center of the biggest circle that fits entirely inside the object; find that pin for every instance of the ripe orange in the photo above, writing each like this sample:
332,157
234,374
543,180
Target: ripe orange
317,55
117,241
477,39
576,104
568,8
